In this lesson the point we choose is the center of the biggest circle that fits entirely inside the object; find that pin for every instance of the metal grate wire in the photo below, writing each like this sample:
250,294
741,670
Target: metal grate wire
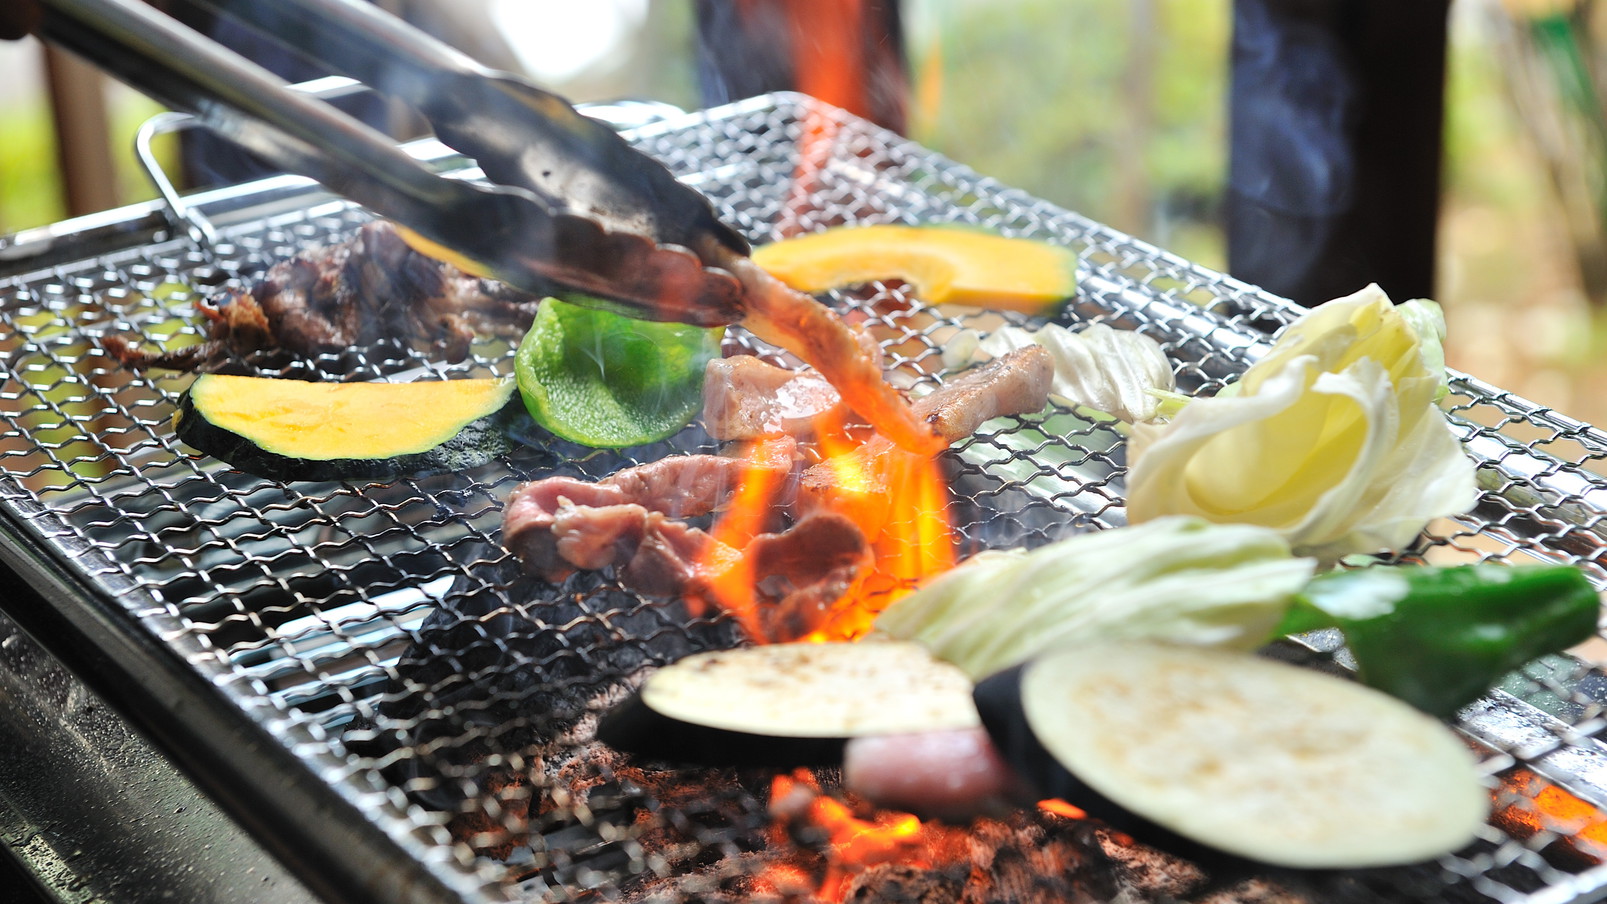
377,630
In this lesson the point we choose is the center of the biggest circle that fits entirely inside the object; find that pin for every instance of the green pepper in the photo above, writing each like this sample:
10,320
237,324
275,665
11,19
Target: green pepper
1438,638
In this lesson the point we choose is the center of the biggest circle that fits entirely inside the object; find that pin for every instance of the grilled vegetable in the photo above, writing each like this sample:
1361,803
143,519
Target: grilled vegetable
608,381
792,704
1434,637
1334,438
947,264
1182,580
1258,759
293,430
1438,638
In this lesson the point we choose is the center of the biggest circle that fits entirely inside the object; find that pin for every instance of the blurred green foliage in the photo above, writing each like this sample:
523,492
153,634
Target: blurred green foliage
1115,110
30,182
30,186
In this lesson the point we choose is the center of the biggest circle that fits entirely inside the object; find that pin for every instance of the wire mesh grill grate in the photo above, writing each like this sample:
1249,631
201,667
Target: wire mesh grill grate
379,629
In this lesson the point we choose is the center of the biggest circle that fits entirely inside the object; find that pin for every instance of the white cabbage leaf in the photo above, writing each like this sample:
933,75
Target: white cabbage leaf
1176,580
1334,439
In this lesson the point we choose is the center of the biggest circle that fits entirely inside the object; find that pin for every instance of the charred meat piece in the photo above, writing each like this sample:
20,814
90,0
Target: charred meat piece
374,288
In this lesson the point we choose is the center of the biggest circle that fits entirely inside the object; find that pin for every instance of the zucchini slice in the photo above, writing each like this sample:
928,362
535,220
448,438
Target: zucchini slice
294,430
793,704
1259,759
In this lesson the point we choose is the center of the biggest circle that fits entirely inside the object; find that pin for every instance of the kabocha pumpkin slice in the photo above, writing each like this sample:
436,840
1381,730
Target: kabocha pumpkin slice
294,430
947,264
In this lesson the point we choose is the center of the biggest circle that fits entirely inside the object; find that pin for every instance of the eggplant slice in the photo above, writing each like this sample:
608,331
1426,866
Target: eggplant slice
1259,759
785,705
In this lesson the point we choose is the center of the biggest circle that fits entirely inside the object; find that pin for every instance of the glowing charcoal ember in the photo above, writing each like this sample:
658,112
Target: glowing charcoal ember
854,843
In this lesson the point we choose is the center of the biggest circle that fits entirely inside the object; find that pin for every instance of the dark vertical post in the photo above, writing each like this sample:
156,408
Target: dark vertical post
1335,131
83,138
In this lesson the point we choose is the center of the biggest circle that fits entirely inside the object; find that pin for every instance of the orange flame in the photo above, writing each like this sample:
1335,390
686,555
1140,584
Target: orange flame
843,53
898,498
733,583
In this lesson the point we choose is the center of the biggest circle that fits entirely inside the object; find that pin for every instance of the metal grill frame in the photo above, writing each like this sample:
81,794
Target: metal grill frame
352,836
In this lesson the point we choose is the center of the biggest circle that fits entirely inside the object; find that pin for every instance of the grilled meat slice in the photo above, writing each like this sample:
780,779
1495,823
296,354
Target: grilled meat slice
374,288
848,357
796,574
1015,383
745,398
544,520
633,520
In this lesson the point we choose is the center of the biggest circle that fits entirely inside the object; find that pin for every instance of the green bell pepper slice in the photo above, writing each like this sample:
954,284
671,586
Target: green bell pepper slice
1439,638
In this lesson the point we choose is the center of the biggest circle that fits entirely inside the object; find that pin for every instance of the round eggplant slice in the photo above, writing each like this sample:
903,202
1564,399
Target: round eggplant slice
1259,759
784,705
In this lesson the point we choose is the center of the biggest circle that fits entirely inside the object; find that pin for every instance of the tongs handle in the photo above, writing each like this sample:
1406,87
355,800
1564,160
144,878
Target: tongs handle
519,134
506,231
243,102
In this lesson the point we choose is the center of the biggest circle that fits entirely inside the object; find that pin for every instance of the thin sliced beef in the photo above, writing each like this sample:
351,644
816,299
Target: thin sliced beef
795,574
374,288
545,522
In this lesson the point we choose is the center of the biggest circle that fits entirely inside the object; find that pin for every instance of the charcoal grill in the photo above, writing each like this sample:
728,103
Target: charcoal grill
357,674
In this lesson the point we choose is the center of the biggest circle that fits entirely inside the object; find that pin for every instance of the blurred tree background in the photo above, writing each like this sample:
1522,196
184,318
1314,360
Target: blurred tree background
1114,109
1117,109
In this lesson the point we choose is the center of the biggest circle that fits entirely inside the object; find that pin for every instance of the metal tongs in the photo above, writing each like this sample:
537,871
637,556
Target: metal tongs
572,208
